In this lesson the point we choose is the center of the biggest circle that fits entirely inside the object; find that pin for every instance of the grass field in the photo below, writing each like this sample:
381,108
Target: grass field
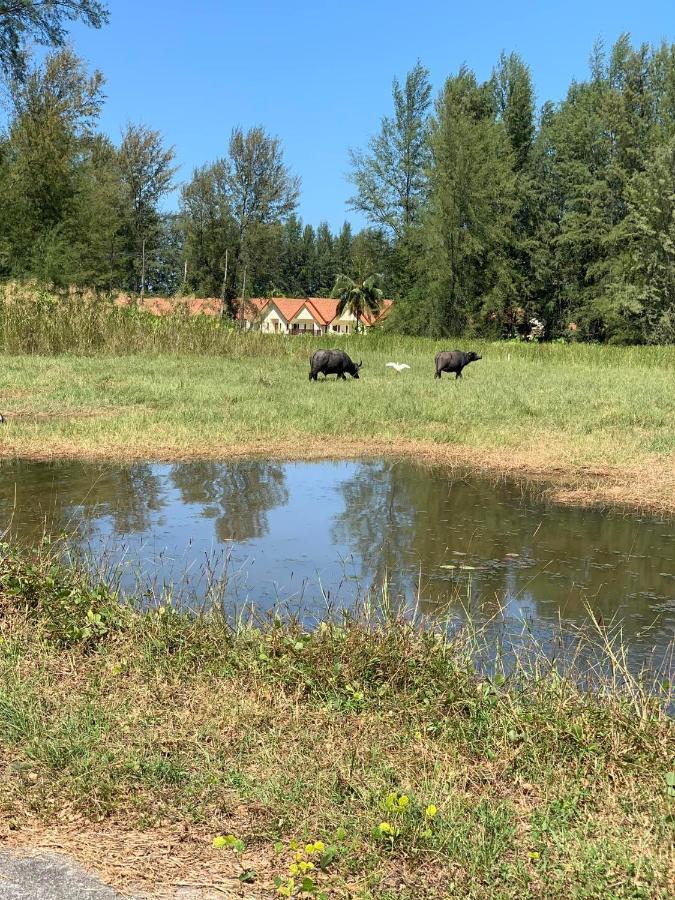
133,741
599,421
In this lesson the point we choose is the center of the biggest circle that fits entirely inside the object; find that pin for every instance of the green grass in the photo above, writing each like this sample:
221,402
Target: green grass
103,382
275,735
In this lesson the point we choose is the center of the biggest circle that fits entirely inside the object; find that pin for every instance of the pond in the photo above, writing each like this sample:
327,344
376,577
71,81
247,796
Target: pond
311,534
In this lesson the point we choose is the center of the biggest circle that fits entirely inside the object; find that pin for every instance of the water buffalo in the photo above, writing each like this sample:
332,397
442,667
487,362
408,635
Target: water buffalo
453,361
332,362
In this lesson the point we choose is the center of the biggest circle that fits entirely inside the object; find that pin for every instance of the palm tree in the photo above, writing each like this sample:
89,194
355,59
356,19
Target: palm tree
358,297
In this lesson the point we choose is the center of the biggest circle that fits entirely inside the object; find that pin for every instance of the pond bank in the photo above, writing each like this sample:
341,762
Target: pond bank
648,488
372,749
593,425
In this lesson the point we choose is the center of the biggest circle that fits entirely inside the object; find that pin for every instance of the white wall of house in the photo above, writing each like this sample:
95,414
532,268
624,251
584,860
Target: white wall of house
273,322
345,324
305,321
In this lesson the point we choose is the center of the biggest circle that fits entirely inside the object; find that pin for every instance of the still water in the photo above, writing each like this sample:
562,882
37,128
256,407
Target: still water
305,534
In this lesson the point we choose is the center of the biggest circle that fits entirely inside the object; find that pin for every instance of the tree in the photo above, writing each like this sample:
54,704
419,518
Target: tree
43,21
641,305
358,297
52,167
326,268
262,190
210,231
390,180
514,97
466,274
146,174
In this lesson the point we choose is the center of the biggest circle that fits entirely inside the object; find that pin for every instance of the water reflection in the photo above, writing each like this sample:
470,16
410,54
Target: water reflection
469,539
303,531
237,496
51,498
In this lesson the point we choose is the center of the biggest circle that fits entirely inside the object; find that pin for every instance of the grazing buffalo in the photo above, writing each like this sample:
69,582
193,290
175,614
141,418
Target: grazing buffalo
454,361
332,362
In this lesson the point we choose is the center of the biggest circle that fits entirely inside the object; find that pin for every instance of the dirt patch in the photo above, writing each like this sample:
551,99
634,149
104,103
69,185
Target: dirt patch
169,862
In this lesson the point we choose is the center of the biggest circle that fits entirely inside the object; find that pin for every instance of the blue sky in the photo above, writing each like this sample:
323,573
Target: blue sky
319,75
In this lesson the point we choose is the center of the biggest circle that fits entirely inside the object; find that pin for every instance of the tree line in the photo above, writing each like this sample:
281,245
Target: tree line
485,214
502,219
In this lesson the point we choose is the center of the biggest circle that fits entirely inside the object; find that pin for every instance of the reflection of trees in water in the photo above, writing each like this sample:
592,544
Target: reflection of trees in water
238,495
400,518
378,522
68,497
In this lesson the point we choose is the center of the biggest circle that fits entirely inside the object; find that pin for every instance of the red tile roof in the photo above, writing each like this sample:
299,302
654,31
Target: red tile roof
165,306
385,307
324,309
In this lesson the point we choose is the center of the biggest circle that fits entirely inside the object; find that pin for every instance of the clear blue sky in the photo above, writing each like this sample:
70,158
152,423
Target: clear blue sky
319,75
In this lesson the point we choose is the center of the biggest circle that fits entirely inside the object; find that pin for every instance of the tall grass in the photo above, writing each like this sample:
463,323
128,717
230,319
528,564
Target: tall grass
47,324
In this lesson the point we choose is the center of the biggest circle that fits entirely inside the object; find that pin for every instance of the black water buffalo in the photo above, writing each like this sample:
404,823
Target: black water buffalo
453,361
332,362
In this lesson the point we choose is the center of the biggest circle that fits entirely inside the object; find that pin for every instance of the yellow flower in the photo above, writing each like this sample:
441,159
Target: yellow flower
319,846
403,801
309,848
306,867
430,811
219,842
385,828
294,869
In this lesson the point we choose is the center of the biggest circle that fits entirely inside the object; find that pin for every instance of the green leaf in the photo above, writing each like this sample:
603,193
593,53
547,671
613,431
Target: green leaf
248,876
328,856
308,885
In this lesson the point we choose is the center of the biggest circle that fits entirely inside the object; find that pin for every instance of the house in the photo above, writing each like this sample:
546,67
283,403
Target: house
309,315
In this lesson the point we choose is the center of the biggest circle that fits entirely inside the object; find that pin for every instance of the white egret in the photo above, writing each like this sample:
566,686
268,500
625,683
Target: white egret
398,366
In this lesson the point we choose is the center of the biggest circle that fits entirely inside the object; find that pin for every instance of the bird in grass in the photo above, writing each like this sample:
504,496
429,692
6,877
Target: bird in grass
2,419
398,366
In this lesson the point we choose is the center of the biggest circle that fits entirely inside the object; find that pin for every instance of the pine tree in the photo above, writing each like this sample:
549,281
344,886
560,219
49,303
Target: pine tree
466,272
42,21
641,305
146,172
390,180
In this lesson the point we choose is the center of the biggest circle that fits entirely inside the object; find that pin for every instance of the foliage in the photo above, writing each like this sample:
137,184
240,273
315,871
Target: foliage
72,610
391,180
43,21
358,297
